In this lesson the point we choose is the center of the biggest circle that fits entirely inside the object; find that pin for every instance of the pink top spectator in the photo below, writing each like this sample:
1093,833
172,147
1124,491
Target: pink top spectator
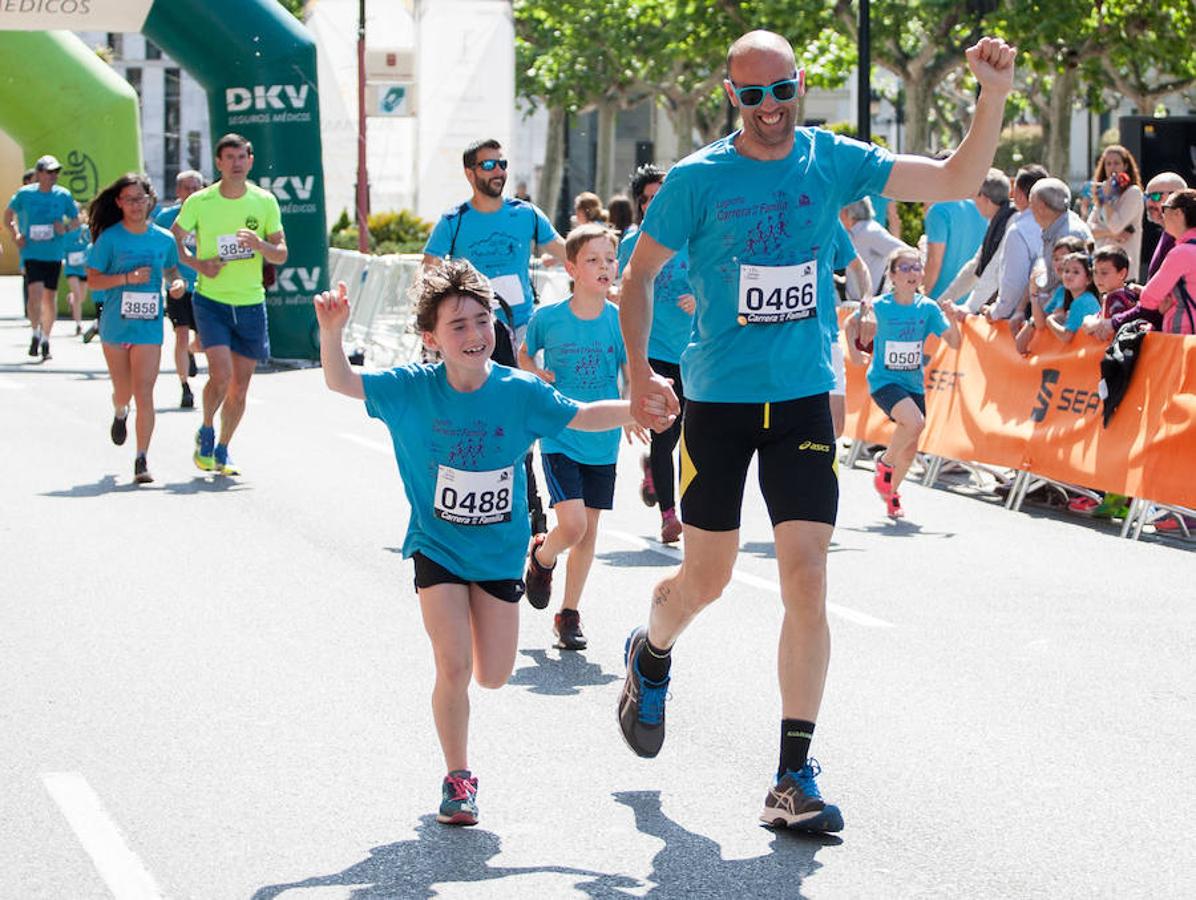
1180,263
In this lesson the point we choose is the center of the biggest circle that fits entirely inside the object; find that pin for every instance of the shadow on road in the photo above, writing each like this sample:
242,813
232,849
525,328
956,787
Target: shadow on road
898,528
636,559
38,367
109,485
559,677
440,855
691,865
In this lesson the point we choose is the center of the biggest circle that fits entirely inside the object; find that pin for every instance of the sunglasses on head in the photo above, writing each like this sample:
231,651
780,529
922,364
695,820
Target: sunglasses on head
489,165
753,94
907,267
1157,196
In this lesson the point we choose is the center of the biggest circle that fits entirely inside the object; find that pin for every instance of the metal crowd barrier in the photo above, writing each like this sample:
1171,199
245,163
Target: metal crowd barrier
381,321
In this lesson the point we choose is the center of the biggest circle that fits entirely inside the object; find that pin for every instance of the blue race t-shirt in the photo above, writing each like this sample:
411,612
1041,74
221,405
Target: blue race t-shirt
38,212
959,226
164,219
671,325
1084,305
585,356
761,242
75,245
499,244
457,453
901,331
133,313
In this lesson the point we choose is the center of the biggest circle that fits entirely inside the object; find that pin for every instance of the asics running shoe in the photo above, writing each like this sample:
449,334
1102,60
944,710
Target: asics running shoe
641,705
795,802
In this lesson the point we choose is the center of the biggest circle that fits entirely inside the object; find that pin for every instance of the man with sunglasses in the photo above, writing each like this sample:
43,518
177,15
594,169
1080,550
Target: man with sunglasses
498,236
757,210
1158,189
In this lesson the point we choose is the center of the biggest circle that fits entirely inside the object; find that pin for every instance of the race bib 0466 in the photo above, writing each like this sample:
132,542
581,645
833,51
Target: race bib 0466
903,356
474,498
769,295
139,305
510,288
229,248
41,232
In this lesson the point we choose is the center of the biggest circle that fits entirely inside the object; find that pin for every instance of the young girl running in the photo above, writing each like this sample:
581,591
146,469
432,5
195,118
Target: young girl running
128,260
461,428
77,243
904,319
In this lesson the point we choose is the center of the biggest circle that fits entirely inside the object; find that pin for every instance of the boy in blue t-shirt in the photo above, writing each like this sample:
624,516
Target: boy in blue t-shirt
904,319
460,429
583,357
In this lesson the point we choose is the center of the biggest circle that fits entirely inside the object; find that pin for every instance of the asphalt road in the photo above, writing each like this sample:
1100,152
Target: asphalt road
218,688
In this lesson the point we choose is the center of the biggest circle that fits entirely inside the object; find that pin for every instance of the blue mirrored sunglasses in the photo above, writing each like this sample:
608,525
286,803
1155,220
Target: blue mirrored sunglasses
488,165
753,94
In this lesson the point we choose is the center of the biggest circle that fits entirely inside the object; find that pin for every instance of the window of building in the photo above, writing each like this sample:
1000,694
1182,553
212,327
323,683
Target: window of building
133,76
116,41
194,150
171,138
152,50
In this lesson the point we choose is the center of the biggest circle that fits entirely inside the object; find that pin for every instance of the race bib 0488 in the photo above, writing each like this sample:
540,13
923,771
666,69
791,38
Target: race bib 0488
903,356
474,498
139,305
229,248
41,232
769,295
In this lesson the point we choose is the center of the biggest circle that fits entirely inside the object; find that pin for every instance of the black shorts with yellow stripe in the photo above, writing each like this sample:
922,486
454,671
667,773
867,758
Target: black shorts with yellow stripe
798,469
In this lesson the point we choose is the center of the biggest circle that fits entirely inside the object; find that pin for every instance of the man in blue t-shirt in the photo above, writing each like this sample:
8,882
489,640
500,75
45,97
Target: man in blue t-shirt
497,235
758,210
38,216
954,232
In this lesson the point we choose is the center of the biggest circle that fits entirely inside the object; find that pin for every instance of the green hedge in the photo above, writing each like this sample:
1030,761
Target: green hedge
392,231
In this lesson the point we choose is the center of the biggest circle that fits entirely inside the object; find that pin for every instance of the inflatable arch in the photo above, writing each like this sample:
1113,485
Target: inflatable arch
258,66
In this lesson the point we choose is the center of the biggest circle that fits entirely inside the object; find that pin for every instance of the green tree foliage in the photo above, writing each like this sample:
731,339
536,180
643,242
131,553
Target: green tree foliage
294,7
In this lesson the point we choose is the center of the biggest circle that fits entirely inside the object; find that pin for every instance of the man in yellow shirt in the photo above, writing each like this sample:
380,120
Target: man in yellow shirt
237,225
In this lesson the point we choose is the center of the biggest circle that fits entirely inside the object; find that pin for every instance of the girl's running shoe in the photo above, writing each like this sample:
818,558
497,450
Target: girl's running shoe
647,486
459,799
893,504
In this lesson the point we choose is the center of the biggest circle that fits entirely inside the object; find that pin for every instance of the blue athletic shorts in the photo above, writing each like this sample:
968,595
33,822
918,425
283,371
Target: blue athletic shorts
889,395
240,328
570,480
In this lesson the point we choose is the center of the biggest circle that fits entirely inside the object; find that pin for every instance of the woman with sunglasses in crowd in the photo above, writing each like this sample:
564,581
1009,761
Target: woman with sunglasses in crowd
128,261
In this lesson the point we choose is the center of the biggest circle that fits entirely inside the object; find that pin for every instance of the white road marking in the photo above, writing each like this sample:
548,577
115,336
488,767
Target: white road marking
843,612
120,868
367,443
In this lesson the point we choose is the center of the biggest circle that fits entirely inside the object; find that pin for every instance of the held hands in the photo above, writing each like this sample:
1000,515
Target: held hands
637,430
332,308
178,287
653,402
687,303
991,61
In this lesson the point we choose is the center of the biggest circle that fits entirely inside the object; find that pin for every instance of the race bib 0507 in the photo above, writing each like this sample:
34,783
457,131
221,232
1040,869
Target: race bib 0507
139,305
229,248
903,356
41,232
769,295
509,287
474,498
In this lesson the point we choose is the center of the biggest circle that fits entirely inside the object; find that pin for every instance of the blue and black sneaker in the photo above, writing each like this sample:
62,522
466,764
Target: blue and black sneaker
222,464
459,799
794,802
641,705
205,446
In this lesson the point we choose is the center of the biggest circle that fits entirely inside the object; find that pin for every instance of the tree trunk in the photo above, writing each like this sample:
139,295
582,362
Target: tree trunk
919,94
604,176
683,114
1057,124
549,189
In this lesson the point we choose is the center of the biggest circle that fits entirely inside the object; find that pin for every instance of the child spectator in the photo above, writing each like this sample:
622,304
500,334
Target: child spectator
583,357
1110,273
1064,247
1063,315
904,319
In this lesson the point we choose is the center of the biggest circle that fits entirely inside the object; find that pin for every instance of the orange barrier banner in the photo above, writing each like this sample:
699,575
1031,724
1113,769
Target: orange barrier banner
1043,413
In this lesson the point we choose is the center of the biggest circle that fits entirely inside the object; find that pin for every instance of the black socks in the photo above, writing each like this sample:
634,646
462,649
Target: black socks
654,663
796,735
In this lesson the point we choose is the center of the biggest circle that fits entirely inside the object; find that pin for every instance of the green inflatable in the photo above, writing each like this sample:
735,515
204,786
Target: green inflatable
258,66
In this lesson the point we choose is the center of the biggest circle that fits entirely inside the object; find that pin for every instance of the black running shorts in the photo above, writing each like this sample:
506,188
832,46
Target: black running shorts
44,272
795,442
429,574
